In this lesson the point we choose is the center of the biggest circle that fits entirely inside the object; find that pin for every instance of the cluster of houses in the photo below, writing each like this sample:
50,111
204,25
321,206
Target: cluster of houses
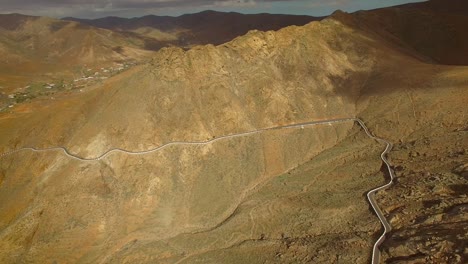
88,78
102,73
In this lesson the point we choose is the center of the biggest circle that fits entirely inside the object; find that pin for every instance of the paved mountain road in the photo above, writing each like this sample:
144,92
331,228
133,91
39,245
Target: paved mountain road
370,195
109,152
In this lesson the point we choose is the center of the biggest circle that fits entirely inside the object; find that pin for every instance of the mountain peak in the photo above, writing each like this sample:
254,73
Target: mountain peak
14,21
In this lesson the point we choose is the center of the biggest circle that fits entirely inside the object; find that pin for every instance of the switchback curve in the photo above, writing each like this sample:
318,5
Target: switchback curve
370,195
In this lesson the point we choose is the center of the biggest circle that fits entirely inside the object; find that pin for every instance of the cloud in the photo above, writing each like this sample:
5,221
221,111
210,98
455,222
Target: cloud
90,7
25,4
329,3
126,8
116,3
235,3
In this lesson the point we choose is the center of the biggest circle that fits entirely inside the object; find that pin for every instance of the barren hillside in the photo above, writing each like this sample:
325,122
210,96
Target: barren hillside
208,27
281,196
435,29
32,47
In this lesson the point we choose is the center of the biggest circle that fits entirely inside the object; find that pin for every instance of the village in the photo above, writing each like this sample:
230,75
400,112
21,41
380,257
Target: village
87,77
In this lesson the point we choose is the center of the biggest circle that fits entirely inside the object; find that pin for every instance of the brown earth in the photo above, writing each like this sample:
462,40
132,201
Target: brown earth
284,196
207,27
40,49
434,29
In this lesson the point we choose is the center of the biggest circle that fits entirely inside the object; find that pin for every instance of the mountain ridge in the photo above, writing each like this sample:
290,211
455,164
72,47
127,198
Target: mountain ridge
34,48
281,196
207,27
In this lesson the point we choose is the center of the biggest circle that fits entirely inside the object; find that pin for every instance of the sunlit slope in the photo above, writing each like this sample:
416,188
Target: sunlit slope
259,80
287,195
207,27
31,46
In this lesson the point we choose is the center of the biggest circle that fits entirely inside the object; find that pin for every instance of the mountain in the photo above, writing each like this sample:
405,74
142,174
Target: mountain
34,46
434,29
208,27
38,51
284,195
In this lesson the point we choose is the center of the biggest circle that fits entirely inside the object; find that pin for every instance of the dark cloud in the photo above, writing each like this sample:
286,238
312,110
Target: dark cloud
126,3
123,7
126,8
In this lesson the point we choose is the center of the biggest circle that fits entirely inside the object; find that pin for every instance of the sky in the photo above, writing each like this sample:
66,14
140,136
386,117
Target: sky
136,8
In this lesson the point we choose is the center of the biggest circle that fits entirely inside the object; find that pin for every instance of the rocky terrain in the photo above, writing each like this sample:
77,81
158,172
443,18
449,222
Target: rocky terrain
208,27
428,206
37,51
281,196
44,57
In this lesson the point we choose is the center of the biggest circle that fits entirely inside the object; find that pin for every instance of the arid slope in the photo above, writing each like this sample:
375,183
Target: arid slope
435,29
282,196
207,27
34,46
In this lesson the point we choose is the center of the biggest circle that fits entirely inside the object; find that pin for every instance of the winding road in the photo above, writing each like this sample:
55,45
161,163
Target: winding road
370,195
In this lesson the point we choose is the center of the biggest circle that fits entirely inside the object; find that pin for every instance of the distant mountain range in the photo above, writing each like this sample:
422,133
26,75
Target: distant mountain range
207,27
276,196
38,45
31,45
